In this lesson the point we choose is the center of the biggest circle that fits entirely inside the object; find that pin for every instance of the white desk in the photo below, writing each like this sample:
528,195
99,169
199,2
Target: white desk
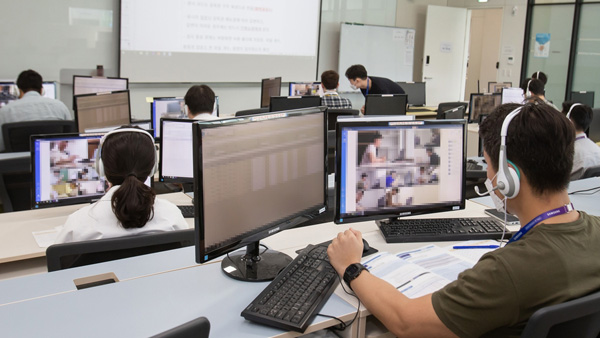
19,252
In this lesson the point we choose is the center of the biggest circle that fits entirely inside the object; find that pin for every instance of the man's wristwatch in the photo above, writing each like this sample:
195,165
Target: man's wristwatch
353,271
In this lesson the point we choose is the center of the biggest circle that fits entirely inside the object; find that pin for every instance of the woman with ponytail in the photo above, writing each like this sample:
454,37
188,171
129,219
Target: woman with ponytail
126,157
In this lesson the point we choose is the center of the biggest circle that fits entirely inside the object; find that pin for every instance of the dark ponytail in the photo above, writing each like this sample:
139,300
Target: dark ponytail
128,160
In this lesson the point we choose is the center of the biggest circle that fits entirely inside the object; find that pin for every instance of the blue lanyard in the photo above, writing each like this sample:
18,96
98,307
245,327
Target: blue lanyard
367,87
548,214
580,137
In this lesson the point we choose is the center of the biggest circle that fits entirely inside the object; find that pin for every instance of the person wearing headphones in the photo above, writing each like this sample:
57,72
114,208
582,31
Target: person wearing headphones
357,75
126,157
200,103
552,259
533,89
587,153
540,76
31,106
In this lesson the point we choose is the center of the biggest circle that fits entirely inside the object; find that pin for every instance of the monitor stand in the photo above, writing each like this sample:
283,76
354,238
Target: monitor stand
253,266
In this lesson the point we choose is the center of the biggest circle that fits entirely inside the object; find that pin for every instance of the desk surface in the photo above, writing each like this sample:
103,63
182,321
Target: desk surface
16,238
165,289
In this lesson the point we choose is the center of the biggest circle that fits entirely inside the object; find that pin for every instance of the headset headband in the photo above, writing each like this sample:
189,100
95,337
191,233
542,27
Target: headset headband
508,183
570,109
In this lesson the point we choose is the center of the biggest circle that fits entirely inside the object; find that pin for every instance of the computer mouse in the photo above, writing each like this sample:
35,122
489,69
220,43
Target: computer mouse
366,246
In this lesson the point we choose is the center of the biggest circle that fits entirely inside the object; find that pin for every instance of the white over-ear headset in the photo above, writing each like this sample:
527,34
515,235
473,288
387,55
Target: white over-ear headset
570,109
508,179
100,165
528,92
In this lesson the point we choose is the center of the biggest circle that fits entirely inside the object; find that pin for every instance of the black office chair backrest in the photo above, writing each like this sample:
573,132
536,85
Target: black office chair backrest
70,255
455,113
333,113
16,135
252,111
197,328
445,106
576,318
591,172
594,129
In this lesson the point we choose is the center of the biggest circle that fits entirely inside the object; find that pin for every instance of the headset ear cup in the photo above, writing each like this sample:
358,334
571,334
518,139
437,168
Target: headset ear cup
508,183
99,166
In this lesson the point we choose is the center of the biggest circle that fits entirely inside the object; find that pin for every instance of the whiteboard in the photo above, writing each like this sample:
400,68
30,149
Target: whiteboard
384,51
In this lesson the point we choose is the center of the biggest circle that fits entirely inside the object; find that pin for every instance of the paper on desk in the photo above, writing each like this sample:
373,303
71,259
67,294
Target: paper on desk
418,272
45,238
472,255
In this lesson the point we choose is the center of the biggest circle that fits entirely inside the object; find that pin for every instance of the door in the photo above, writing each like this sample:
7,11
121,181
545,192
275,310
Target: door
445,53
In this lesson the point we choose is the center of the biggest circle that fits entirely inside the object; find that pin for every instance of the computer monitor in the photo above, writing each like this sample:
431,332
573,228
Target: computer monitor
49,89
8,93
496,87
171,108
269,87
385,104
512,95
415,92
387,169
253,177
585,97
64,170
102,112
483,104
457,112
594,129
98,84
176,151
279,103
306,88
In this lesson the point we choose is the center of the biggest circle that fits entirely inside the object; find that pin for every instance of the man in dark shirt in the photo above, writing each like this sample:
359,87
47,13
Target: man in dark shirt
357,75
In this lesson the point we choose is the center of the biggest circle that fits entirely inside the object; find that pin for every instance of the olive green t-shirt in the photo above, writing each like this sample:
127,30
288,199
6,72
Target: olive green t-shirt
551,264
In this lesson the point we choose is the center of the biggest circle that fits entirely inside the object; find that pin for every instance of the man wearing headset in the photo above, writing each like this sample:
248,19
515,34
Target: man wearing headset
552,259
31,106
587,153
533,89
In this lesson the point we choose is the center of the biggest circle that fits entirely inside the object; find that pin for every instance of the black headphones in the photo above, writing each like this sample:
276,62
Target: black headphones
100,165
508,178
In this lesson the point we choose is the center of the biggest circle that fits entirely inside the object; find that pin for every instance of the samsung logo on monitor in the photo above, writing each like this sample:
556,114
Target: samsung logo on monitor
404,213
274,230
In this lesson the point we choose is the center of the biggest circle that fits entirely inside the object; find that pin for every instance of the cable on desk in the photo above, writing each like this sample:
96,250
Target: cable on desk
342,326
585,190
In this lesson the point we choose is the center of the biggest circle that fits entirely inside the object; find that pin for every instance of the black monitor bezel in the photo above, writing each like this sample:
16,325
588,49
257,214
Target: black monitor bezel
276,99
202,256
583,92
402,112
152,117
161,177
471,120
423,84
262,89
62,202
383,214
76,111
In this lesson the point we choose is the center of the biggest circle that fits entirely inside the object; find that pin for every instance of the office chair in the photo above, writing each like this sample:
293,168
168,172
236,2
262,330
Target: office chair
444,106
576,318
252,111
16,135
70,255
591,172
197,328
455,113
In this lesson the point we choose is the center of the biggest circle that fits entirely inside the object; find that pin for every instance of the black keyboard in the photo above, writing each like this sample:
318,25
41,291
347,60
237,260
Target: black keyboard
187,210
297,294
441,229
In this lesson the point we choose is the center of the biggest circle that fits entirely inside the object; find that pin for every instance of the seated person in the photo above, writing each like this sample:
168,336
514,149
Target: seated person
330,81
533,89
390,179
587,153
434,159
363,184
129,207
549,262
31,105
200,103
370,154
389,198
422,177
